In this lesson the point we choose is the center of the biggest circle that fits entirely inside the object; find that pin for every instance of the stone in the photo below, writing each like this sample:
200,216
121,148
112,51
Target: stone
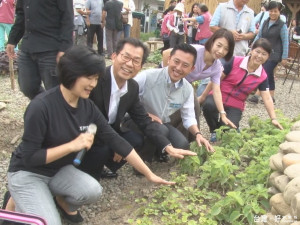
296,223
278,203
290,147
273,176
295,206
276,162
293,171
273,190
291,189
293,136
15,139
274,211
2,105
280,182
290,159
296,126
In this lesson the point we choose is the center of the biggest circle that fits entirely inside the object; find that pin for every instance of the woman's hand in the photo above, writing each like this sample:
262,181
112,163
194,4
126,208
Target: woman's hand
83,141
227,121
158,180
277,124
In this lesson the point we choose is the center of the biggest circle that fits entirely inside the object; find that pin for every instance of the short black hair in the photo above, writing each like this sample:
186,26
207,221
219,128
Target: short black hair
264,44
136,43
274,5
185,48
203,8
79,61
222,33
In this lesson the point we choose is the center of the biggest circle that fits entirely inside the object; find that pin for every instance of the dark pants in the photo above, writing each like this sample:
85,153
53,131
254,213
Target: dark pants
100,155
35,68
176,39
177,139
149,149
95,29
269,67
211,114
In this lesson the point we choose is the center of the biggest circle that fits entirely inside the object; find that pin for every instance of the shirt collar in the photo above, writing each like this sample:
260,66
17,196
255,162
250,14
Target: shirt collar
177,84
244,65
114,87
231,5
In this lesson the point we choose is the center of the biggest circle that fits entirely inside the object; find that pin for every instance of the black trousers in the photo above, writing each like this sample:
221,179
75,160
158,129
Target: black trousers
92,30
100,154
211,114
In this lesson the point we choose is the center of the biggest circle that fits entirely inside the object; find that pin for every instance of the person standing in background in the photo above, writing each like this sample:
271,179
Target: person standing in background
111,19
128,8
46,30
7,16
80,26
237,17
95,23
192,25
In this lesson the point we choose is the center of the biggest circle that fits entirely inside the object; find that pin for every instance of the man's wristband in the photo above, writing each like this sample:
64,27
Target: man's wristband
223,112
273,119
197,133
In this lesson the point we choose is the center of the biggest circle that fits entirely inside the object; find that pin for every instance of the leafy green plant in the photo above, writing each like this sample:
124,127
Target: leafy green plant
230,185
155,57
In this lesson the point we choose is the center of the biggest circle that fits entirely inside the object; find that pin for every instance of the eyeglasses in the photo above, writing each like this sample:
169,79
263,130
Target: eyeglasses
127,58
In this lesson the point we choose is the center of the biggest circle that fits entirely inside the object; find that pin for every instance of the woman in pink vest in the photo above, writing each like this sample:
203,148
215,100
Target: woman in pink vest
203,31
240,77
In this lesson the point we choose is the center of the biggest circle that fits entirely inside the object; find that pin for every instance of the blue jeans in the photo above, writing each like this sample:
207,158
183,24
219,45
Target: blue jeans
126,29
35,68
269,67
33,193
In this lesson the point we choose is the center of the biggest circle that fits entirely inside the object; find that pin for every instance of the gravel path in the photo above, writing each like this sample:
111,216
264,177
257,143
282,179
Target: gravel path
117,202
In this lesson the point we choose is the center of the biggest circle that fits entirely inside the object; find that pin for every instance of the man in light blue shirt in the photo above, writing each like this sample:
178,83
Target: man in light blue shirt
95,23
237,17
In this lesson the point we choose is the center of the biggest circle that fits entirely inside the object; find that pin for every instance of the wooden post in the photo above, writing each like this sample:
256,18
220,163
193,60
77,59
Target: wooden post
12,73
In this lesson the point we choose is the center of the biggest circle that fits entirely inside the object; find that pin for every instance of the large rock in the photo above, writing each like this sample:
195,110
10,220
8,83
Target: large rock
273,190
296,126
273,176
276,162
290,159
295,206
293,171
291,189
290,147
278,203
293,136
296,223
280,182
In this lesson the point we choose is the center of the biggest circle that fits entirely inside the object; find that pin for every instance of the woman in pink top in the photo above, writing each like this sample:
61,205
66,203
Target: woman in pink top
240,77
7,18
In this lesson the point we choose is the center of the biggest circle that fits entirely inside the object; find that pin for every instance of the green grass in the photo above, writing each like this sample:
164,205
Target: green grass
145,36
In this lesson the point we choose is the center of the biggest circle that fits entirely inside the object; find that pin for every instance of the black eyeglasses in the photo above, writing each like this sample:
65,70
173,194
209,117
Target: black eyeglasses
127,58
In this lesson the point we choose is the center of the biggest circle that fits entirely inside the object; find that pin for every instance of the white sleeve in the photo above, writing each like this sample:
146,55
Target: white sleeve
188,112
